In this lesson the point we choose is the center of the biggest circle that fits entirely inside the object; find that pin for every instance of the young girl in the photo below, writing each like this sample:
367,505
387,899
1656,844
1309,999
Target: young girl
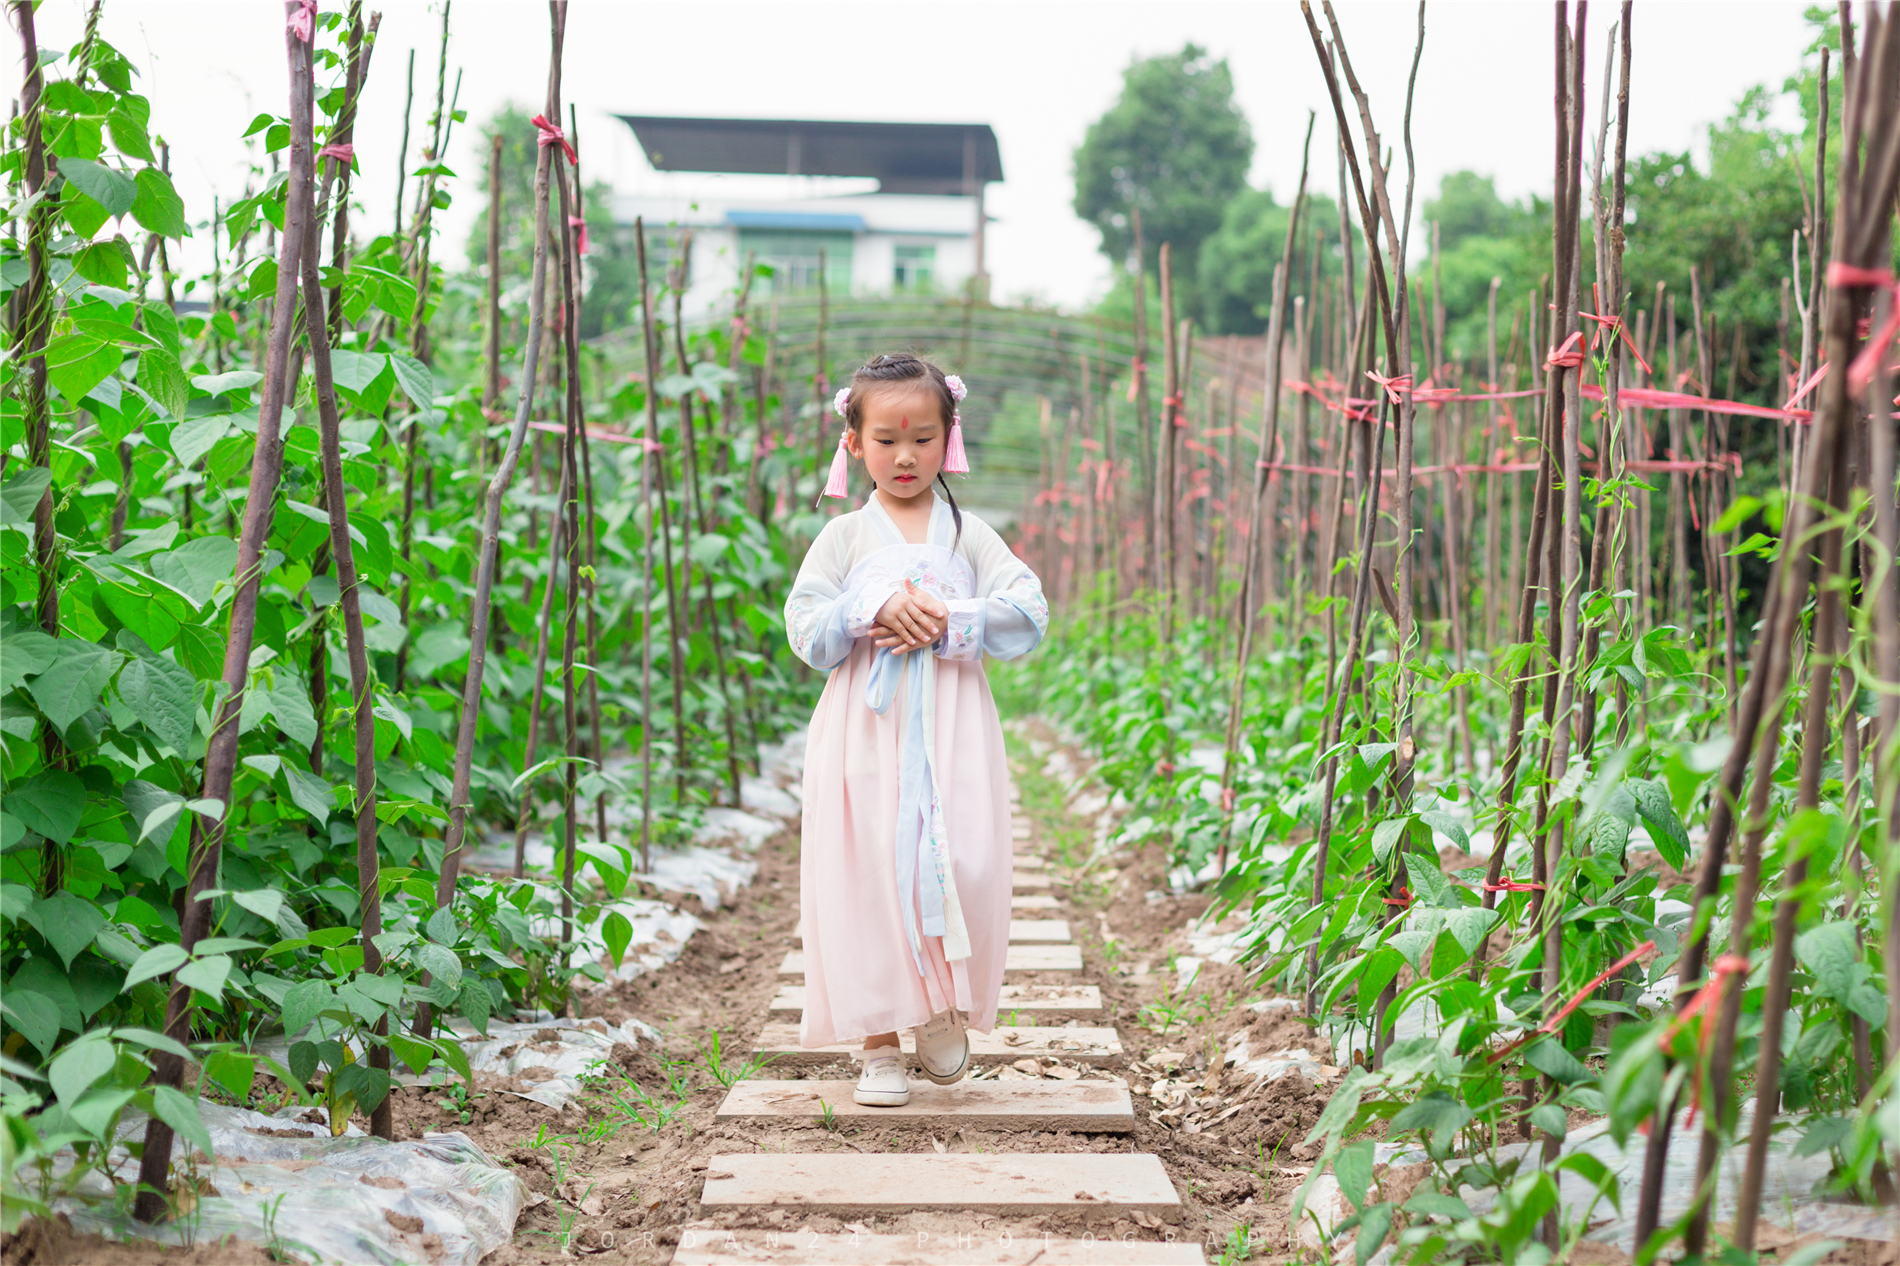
905,872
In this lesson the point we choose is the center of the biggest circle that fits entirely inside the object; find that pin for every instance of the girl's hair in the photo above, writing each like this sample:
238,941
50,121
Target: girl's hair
902,368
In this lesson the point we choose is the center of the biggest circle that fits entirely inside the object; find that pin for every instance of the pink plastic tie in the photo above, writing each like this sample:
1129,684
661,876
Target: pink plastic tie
303,23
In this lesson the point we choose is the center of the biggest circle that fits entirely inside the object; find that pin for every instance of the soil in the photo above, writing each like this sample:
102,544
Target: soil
1236,1154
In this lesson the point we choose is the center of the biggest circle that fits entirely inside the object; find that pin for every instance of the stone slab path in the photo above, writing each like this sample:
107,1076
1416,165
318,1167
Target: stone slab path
1081,1106
1060,1002
1031,1075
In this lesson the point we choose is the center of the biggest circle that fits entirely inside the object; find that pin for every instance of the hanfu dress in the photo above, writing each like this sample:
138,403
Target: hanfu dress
906,857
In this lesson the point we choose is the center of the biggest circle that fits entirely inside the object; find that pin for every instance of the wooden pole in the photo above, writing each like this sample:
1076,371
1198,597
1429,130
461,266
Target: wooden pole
221,751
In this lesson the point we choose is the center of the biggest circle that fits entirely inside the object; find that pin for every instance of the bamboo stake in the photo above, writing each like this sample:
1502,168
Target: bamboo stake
1165,492
491,335
497,491
1243,617
362,702
524,809
576,218
656,460
1138,388
569,514
694,514
1865,227
1493,480
220,762
1763,695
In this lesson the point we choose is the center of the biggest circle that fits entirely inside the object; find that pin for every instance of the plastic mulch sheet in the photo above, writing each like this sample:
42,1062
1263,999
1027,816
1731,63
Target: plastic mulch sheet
353,1199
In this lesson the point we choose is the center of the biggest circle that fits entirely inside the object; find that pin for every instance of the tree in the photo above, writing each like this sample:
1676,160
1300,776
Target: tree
1175,145
1235,270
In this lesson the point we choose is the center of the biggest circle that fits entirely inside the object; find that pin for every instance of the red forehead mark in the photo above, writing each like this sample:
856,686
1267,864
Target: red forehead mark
904,423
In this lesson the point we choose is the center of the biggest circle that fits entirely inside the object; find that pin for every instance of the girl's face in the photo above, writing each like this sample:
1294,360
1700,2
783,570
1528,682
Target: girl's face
901,439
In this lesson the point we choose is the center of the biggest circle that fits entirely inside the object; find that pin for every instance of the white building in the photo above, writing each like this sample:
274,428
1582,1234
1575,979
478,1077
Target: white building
887,207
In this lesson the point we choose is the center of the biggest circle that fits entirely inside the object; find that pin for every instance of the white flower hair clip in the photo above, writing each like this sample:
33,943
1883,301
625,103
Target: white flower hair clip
841,403
957,389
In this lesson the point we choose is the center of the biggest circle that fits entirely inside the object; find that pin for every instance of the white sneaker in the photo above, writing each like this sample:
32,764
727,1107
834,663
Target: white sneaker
883,1084
943,1048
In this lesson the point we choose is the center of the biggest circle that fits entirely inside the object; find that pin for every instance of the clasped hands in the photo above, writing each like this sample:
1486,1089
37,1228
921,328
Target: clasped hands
909,620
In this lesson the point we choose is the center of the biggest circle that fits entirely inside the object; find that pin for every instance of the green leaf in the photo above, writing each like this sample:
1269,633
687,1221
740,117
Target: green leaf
418,1055
441,927
76,1069
415,379
1446,825
180,1112
198,567
19,497
128,134
157,206
303,1061
1606,837
1386,837
111,188
68,923
232,380
1831,952
51,802
353,371
440,963
206,975
1374,1226
34,1016
164,380
618,933
1551,1119
234,1070
1823,1133
151,807
1741,512
1469,926
1659,815
1436,1204
290,707
162,695
1353,1168
1437,1113
77,362
1548,1056
454,1056
103,264
475,1003
70,688
265,903
309,793
306,999
159,960
708,549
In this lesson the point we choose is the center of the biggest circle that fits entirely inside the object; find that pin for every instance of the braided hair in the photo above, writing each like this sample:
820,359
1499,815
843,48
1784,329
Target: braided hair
902,368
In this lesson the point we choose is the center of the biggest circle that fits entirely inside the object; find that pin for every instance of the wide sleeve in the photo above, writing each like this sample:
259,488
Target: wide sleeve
822,616
1008,615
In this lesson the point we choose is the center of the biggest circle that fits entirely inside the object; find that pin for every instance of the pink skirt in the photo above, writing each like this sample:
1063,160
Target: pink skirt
859,975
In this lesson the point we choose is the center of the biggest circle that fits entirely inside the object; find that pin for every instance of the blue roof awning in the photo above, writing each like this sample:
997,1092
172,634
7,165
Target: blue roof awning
796,220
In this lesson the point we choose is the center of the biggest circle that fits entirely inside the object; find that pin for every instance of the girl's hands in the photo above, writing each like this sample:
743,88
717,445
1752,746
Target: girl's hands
909,621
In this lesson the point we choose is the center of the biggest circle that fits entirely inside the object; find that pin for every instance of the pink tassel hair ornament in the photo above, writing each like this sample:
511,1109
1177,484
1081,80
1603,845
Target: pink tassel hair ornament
955,462
836,486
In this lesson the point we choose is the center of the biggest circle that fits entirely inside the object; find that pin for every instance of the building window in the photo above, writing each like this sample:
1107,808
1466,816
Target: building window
794,259
916,266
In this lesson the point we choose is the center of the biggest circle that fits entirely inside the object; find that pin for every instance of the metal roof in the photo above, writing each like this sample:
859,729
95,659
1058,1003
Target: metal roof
926,158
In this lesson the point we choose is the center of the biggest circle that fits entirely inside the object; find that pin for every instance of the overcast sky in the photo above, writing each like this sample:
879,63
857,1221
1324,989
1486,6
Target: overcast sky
1036,70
